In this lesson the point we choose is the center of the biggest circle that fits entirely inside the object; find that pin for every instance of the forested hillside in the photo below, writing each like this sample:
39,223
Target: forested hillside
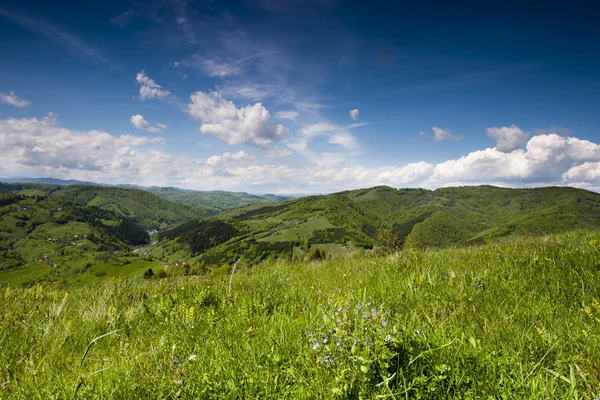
375,220
140,206
48,232
216,200
388,219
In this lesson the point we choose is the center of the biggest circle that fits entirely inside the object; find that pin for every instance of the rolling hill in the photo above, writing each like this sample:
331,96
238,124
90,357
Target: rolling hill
51,236
374,220
140,206
382,217
215,200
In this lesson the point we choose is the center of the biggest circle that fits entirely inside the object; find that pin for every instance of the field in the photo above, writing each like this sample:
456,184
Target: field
510,320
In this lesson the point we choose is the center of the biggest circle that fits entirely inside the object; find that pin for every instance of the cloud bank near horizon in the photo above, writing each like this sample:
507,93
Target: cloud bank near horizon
42,147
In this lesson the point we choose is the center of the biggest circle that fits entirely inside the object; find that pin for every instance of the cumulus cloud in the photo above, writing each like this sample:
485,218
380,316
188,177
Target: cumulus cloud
251,125
354,114
12,99
148,88
508,138
586,172
42,145
549,159
140,123
440,134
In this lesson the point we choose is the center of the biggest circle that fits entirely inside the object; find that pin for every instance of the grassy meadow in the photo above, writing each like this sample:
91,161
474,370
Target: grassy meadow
518,319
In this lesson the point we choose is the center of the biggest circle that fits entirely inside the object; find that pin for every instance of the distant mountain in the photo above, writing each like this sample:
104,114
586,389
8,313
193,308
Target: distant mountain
48,181
386,218
203,202
218,200
142,207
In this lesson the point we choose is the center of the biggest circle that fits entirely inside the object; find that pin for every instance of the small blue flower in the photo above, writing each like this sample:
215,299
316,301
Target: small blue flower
383,324
325,340
316,346
327,359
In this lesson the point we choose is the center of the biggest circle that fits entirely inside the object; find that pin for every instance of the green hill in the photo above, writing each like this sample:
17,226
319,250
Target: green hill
140,206
375,220
48,237
390,218
216,200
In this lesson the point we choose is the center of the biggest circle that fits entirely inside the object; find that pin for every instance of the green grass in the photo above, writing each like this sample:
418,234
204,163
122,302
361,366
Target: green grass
513,320
298,230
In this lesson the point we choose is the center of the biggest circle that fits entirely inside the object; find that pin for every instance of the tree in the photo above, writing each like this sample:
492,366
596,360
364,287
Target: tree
149,273
387,239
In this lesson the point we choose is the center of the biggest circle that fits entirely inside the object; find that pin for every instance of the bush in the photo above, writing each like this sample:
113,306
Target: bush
149,273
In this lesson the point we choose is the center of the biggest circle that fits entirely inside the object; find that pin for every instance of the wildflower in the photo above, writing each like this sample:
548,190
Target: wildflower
418,332
327,359
383,324
365,315
338,344
374,313
325,340
316,346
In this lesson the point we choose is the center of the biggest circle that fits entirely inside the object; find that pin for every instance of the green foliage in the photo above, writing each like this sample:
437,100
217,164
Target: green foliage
389,218
439,230
518,319
213,201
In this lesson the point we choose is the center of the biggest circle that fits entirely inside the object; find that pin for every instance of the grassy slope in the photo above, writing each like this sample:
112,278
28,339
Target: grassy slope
514,320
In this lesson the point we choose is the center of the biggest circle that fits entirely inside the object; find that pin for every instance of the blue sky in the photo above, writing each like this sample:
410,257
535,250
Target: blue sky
258,95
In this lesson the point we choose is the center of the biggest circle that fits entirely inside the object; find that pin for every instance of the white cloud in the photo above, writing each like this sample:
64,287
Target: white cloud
586,172
148,88
343,139
12,99
444,134
354,114
508,138
291,115
40,147
335,134
140,123
220,69
43,147
551,159
251,125
278,152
